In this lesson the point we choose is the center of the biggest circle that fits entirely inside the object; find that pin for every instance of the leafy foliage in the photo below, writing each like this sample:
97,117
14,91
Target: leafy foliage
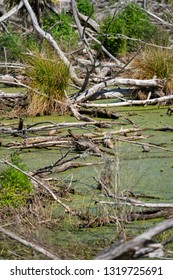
132,22
49,76
15,187
85,7
11,43
60,27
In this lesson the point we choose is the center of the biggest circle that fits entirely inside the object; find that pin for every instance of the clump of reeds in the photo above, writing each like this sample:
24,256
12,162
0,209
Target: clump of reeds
48,82
154,62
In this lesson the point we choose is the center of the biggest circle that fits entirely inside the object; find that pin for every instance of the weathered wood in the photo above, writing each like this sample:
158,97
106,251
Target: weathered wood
33,246
4,95
13,11
129,249
77,114
89,22
166,128
83,143
153,83
53,43
130,102
100,113
8,79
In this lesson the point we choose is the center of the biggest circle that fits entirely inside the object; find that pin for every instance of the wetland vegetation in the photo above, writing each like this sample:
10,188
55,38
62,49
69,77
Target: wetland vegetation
80,171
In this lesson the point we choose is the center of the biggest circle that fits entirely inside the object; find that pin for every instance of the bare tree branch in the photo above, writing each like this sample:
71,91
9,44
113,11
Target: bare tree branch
129,249
53,43
13,11
28,244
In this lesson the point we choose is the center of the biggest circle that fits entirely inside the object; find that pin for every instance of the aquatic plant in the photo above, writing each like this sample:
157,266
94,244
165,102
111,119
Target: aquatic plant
48,79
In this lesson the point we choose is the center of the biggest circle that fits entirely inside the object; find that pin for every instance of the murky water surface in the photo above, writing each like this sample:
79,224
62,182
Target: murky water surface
146,173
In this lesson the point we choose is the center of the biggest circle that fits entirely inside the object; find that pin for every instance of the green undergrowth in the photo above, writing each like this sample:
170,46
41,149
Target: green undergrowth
124,31
15,187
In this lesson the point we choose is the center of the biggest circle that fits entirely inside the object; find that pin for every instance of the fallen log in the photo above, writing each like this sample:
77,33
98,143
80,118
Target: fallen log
53,125
4,95
83,143
166,128
153,101
100,113
130,249
153,83
8,79
33,246
10,13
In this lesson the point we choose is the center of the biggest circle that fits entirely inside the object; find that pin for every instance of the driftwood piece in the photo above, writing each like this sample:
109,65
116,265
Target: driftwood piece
153,101
8,79
77,114
33,246
133,202
58,163
89,22
4,95
83,143
166,128
130,249
14,131
153,83
13,11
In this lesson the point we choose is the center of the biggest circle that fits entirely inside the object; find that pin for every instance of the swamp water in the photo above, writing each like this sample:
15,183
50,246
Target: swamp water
135,171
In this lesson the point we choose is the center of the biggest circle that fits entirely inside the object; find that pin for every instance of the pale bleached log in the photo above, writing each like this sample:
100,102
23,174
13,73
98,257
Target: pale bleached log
13,11
137,203
8,79
33,246
89,22
130,248
152,83
4,95
77,115
130,102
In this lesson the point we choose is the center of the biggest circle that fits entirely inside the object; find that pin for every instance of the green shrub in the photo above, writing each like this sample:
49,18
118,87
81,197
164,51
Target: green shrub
60,27
15,187
31,42
49,76
133,22
11,42
15,44
85,7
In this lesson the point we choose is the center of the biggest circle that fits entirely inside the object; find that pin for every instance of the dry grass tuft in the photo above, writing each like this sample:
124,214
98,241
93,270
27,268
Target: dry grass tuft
48,82
154,62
